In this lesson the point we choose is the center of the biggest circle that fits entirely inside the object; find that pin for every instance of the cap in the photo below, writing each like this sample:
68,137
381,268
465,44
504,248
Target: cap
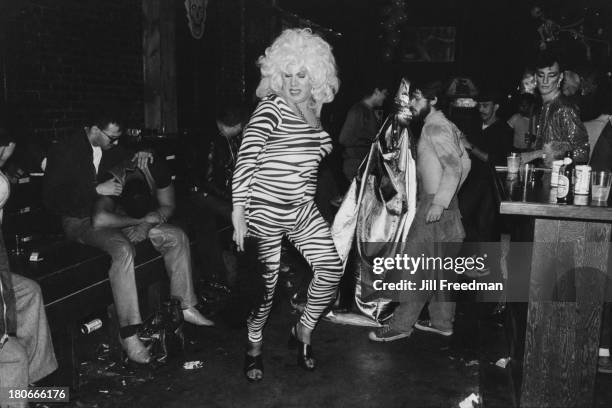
490,96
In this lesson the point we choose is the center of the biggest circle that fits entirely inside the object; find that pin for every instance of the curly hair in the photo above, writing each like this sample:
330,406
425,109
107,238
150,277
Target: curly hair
299,48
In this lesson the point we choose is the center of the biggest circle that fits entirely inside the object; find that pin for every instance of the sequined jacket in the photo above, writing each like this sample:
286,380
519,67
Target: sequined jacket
559,121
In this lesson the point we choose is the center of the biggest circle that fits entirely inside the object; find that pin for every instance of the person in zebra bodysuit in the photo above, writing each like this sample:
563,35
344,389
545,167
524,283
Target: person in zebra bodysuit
275,180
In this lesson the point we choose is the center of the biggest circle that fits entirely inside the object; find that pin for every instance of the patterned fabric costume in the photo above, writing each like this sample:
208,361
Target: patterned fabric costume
275,179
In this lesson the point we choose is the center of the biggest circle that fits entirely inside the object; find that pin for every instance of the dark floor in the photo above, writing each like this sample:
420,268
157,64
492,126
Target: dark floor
351,372
424,370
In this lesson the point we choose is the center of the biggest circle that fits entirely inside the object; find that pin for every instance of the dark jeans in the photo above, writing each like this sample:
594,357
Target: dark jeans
168,239
478,209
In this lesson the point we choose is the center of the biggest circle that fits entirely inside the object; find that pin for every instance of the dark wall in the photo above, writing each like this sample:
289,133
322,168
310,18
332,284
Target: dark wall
62,57
220,68
210,70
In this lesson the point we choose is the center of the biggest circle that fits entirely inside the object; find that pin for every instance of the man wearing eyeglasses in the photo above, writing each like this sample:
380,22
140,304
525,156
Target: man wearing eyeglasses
76,180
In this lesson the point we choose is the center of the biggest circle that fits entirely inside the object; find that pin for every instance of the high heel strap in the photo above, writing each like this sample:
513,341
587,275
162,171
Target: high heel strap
129,331
253,363
305,355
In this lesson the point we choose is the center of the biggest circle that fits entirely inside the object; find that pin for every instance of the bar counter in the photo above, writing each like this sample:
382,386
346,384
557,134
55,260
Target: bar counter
562,330
538,199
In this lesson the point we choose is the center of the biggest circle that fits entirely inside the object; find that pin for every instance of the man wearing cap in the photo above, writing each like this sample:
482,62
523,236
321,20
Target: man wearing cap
490,147
495,141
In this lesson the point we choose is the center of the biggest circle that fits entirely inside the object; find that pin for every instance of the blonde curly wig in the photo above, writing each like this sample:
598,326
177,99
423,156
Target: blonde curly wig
299,48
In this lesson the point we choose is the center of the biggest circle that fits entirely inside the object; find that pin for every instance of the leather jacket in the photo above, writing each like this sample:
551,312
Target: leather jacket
222,156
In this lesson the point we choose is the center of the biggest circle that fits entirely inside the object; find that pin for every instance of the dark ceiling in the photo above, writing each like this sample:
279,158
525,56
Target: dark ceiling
495,39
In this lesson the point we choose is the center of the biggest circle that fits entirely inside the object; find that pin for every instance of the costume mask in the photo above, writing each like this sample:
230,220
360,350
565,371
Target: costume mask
196,16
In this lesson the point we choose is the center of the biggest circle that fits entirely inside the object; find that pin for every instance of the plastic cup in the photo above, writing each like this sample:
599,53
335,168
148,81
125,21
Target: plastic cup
554,175
600,187
514,162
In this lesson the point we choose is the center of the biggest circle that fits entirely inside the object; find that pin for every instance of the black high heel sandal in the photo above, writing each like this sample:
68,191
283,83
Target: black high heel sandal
305,355
253,363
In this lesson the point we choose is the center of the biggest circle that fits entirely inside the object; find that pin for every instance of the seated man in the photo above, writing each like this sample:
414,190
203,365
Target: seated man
26,350
74,187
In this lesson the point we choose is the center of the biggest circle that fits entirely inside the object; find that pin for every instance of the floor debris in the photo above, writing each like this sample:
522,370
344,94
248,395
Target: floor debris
472,401
502,362
193,365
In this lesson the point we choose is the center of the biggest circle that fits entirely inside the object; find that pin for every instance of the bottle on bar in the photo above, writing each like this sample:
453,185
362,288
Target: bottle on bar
565,181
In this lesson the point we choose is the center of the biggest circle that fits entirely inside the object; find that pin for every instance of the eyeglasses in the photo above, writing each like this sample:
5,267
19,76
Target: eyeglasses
112,139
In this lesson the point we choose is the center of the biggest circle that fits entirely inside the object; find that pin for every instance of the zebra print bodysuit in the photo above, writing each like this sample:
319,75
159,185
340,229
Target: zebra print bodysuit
275,179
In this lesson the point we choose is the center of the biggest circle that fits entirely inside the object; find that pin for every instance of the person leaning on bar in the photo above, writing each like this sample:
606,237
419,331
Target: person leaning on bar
558,125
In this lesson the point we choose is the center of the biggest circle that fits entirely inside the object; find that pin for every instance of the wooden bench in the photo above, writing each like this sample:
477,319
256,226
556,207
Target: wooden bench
74,277
75,284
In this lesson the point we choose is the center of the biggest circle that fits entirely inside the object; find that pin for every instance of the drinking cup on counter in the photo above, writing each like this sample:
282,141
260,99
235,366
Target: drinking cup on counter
554,174
600,187
514,162
582,180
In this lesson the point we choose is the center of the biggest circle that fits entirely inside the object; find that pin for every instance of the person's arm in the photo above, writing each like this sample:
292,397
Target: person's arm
449,154
6,152
479,154
527,157
569,121
265,119
143,157
105,216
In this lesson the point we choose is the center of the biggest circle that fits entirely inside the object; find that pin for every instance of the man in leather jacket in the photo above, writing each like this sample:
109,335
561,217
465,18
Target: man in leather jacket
216,204
223,150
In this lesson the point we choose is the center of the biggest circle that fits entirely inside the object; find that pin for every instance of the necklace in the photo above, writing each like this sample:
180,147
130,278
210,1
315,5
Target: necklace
301,114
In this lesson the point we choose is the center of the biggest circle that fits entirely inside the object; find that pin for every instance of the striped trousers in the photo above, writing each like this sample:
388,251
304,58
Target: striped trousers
311,236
